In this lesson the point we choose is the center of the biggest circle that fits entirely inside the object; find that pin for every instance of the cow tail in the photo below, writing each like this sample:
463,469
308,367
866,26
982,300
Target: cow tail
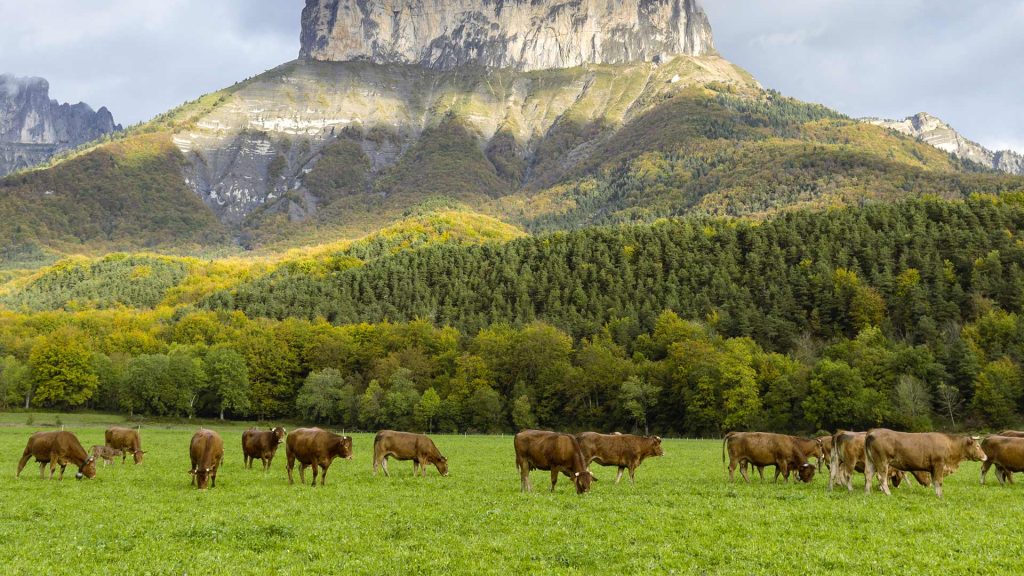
725,443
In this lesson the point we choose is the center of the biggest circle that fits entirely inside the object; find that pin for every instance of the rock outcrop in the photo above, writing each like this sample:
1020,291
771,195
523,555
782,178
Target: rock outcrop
517,34
33,128
934,131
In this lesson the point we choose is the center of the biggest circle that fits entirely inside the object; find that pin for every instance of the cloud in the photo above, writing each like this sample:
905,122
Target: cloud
142,58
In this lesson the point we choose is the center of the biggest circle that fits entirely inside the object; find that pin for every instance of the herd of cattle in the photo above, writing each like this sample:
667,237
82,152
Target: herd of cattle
879,453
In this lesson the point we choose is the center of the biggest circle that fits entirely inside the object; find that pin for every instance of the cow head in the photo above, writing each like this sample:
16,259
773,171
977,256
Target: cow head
805,472
973,449
583,480
654,447
442,465
343,448
138,456
279,433
896,477
87,469
202,476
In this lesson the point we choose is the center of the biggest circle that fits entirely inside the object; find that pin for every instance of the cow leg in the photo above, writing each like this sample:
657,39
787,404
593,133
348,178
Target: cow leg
323,473
213,478
554,478
62,467
760,472
289,464
743,472
937,471
869,474
984,470
42,470
302,473
619,475
632,470
885,479
384,465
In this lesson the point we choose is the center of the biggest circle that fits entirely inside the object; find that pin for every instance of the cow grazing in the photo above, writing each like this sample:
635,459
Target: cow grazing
105,452
539,450
1006,453
933,452
407,446
58,448
766,449
207,453
261,444
125,439
623,450
316,448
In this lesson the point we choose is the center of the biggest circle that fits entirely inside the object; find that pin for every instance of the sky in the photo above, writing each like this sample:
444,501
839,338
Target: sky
960,60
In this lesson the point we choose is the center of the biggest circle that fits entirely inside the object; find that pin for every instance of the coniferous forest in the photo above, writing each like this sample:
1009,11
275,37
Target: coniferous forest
903,315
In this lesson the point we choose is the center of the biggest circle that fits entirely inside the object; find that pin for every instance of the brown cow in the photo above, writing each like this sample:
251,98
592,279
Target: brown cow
207,453
125,439
105,452
1006,453
1010,434
810,447
536,449
933,452
55,448
848,457
766,449
626,451
316,448
407,446
826,450
261,444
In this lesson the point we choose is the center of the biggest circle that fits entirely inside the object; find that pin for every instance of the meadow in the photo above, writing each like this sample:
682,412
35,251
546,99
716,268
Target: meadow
681,517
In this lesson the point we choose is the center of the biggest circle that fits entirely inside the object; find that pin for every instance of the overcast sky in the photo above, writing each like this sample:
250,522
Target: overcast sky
958,59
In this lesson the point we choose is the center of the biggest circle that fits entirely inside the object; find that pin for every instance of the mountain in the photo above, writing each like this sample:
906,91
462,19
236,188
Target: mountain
625,115
935,132
515,34
33,128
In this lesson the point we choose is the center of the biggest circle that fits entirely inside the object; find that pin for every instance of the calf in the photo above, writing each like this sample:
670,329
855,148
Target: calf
766,449
207,452
58,448
407,446
315,448
126,440
932,452
105,452
1006,453
261,444
623,450
536,449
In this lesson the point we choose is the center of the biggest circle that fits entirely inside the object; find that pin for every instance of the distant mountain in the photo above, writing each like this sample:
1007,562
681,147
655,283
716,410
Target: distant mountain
626,114
934,131
33,127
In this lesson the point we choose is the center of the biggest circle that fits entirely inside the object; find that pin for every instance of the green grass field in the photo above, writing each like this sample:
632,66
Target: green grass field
682,517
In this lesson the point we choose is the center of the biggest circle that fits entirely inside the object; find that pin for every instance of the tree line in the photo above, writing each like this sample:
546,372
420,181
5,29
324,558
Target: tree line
901,315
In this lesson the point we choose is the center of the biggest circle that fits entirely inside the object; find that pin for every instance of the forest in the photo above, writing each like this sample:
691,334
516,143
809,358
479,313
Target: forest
905,315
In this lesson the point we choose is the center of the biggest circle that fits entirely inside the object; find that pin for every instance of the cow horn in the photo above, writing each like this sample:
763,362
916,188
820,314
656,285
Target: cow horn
976,437
577,473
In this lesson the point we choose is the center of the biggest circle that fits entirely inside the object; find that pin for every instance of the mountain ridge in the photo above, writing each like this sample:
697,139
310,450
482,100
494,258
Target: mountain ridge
34,128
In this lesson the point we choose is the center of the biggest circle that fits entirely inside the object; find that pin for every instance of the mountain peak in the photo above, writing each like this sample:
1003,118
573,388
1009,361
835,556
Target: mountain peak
936,132
518,34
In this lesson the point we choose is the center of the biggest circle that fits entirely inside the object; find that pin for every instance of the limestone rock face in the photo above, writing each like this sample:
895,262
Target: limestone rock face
33,128
518,34
934,131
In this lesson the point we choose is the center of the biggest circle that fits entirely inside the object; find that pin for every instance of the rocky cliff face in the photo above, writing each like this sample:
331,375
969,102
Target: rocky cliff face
934,131
33,128
518,34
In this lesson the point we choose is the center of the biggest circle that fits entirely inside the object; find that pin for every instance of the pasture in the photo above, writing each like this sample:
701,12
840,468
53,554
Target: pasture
681,517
